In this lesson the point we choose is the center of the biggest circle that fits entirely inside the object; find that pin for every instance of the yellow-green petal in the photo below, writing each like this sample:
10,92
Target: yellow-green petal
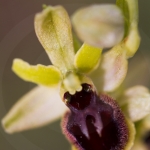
132,37
99,25
39,74
87,58
53,30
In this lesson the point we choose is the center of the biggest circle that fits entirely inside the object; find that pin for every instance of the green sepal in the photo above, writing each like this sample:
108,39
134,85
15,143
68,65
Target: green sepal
39,74
53,29
99,25
87,58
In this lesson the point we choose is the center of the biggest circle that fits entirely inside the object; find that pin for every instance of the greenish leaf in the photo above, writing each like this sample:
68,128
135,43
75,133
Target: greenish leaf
43,75
53,30
87,58
99,25
37,108
132,37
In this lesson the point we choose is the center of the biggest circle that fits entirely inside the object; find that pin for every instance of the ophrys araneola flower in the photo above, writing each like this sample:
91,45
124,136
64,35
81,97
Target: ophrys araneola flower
68,74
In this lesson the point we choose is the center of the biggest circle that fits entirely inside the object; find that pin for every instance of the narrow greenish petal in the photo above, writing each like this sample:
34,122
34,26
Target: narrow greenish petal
132,37
39,74
53,30
87,58
137,101
112,70
99,25
37,108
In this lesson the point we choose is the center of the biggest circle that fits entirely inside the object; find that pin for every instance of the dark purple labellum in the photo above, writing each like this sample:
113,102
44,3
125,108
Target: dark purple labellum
94,123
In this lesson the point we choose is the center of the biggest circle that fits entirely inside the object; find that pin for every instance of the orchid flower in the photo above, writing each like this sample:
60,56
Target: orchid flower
83,81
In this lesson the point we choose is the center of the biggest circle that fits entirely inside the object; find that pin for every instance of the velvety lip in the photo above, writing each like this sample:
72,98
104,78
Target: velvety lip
94,123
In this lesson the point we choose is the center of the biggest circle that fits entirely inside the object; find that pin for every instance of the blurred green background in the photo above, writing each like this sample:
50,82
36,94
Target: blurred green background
18,40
